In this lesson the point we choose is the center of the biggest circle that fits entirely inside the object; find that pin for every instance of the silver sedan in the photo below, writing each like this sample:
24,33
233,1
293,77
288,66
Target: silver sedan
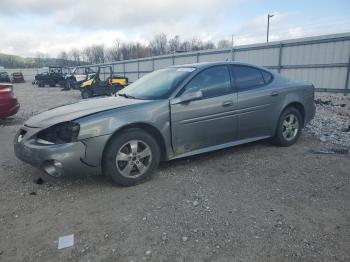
170,113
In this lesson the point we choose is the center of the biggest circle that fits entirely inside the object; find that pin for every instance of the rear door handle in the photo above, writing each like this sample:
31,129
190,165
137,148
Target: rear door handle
227,103
274,93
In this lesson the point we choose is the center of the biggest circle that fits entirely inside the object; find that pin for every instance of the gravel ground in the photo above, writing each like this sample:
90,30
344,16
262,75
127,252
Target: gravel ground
332,119
255,202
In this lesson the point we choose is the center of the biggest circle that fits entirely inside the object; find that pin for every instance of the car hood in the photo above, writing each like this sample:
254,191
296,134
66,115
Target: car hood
79,109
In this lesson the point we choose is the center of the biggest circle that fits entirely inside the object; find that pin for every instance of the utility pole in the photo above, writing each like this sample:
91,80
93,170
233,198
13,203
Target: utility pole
232,48
268,27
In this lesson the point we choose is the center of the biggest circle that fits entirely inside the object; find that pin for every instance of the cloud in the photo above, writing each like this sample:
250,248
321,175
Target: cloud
57,25
44,26
112,14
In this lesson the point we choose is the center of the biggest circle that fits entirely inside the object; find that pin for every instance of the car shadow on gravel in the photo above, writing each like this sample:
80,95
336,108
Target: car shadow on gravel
79,179
216,155
169,166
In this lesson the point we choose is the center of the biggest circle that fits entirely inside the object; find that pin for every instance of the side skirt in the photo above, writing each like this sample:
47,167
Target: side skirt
218,147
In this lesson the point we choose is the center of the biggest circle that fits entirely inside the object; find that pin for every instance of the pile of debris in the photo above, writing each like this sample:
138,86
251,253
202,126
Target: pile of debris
332,119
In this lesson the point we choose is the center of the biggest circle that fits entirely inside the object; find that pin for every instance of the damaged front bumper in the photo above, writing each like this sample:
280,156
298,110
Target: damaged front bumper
57,159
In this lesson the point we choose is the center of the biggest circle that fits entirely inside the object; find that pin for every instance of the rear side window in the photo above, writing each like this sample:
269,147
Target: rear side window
248,77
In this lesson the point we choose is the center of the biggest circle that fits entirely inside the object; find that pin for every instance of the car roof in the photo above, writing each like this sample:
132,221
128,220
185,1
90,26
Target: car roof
209,64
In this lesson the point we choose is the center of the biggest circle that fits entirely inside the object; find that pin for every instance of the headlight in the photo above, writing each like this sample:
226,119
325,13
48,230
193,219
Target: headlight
61,133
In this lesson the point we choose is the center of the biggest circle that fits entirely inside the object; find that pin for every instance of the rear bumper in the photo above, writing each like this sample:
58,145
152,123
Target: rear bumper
9,108
18,81
310,113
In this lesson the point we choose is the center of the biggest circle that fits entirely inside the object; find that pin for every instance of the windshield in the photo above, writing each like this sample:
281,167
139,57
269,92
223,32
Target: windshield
158,84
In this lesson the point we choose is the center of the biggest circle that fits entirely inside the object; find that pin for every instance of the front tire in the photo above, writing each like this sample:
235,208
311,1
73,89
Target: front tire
68,85
130,157
288,128
52,84
85,94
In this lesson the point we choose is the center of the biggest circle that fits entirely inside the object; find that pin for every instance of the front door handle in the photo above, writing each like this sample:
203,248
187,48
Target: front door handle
274,93
227,103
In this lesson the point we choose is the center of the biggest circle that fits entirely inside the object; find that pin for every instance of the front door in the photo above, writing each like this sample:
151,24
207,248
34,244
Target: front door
210,120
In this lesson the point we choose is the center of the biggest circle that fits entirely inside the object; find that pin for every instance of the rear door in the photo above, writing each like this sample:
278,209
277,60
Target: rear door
257,101
210,120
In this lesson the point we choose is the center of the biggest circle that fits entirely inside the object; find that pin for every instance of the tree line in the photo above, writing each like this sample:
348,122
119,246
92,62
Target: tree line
41,60
159,45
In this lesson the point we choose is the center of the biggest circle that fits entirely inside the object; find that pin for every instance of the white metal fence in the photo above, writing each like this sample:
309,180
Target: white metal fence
322,60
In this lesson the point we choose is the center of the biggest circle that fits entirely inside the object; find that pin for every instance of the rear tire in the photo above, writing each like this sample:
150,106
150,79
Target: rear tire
288,128
130,157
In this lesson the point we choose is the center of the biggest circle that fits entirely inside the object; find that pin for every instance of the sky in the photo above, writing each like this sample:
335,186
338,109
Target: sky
29,27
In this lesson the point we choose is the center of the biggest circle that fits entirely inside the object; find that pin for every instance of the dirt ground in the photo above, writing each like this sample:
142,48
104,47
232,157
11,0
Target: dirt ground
255,202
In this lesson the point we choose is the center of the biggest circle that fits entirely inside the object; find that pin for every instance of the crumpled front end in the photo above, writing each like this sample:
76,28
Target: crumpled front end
54,159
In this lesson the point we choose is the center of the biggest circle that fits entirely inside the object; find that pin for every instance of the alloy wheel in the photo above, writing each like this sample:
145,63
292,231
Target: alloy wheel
133,158
290,127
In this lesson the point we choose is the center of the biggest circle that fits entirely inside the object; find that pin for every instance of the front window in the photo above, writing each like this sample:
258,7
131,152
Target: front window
214,81
158,84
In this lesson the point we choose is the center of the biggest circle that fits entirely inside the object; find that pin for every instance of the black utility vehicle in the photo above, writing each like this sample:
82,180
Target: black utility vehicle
55,76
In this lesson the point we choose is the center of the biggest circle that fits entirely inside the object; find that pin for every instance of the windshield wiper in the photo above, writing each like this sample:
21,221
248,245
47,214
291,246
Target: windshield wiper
126,96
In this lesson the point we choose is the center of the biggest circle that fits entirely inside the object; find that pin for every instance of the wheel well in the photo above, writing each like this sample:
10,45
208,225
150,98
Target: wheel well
150,130
300,107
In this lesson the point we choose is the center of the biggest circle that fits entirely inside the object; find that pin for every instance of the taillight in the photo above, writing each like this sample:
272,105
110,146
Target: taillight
6,90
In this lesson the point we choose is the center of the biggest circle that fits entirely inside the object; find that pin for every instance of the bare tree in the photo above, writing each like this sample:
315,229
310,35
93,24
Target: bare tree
159,44
185,46
224,43
75,54
196,44
63,56
87,55
208,45
174,44
97,54
113,53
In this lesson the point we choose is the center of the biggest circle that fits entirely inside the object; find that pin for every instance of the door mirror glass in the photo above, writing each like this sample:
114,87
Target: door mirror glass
187,97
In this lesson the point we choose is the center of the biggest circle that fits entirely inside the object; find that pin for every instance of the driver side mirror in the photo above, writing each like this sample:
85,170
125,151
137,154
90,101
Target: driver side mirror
187,97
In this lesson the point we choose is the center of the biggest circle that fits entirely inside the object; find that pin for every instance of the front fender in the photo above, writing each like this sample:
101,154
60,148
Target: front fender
154,114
